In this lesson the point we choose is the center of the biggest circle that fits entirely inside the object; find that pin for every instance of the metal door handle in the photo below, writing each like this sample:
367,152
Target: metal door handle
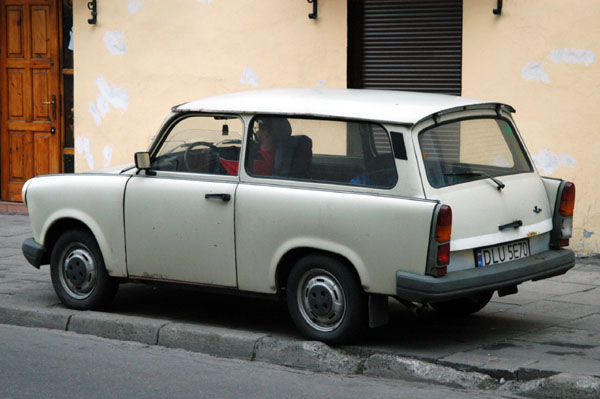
53,102
224,197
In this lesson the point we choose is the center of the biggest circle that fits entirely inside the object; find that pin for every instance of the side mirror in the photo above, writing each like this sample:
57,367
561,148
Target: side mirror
142,160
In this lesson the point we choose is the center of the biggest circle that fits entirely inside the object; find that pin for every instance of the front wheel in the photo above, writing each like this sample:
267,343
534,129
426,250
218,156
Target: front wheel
464,306
78,273
325,300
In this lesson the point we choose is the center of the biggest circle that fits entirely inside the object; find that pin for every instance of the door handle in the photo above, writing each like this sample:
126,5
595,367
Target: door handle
224,197
53,102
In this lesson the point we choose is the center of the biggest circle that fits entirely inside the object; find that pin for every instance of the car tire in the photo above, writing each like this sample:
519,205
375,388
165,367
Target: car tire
325,300
78,273
464,306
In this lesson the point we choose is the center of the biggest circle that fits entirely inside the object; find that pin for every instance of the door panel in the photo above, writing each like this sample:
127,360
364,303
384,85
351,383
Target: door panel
29,84
173,232
14,28
41,95
39,32
19,167
16,107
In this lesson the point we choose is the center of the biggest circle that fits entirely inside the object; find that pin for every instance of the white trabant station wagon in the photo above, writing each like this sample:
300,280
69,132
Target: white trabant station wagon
333,199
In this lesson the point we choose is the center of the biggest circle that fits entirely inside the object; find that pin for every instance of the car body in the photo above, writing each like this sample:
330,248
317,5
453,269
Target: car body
335,198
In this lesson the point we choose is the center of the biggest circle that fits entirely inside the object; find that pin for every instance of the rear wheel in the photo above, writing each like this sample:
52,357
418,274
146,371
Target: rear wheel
78,273
325,300
464,306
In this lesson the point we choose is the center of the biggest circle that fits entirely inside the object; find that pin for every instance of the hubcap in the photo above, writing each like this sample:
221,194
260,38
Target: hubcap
321,300
78,272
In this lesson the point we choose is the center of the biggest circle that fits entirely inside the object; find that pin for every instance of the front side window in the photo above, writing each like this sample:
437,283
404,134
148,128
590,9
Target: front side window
471,149
318,150
202,144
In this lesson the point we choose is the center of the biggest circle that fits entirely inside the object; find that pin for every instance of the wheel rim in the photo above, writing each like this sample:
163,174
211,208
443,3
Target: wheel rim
321,300
78,271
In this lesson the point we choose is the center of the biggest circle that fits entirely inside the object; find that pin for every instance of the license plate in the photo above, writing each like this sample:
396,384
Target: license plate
502,253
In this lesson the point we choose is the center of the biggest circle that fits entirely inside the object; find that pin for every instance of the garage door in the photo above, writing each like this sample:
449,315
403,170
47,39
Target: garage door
405,45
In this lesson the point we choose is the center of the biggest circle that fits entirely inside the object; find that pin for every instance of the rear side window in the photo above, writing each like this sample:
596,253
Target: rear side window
471,149
318,150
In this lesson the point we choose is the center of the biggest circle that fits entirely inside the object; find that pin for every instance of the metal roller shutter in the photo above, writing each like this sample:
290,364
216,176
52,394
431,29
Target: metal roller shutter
411,45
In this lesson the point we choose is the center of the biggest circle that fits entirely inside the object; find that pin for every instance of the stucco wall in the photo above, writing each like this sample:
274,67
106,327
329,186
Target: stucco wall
144,56
541,56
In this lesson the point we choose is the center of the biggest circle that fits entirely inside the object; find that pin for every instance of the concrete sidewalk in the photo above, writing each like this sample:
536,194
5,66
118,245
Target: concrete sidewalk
539,342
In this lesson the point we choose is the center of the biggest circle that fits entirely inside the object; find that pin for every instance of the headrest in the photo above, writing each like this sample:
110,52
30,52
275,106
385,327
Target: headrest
279,126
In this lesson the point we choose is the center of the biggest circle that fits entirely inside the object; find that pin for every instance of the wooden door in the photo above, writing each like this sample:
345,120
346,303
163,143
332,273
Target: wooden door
29,93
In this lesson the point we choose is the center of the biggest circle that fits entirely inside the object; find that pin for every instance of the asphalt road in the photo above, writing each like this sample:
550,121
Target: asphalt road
39,363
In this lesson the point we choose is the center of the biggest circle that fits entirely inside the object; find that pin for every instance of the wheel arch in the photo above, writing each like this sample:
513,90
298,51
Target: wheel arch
59,227
292,256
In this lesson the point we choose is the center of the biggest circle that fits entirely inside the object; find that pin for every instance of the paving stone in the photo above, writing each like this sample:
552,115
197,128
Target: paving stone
553,288
590,323
555,309
589,297
564,337
580,277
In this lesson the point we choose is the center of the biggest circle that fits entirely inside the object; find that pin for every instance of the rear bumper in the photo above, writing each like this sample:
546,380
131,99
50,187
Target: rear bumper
419,288
34,253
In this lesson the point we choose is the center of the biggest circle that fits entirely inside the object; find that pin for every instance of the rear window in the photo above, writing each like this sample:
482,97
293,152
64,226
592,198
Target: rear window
471,149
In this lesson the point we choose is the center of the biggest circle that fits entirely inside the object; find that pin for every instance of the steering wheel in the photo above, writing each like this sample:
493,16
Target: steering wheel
214,151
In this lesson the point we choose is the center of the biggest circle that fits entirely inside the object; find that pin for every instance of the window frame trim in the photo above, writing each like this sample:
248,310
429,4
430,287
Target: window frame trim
260,178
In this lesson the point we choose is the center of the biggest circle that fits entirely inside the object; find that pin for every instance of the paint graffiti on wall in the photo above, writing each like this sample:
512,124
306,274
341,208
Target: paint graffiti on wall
135,6
118,97
250,77
82,146
115,42
535,70
549,162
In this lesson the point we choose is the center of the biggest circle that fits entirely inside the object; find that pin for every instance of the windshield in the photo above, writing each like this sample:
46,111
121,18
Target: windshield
471,149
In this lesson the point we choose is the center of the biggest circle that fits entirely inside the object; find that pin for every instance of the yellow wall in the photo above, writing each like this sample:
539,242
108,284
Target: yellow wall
144,56
541,56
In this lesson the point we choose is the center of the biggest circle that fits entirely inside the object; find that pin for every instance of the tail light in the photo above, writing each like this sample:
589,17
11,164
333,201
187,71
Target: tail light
567,200
439,245
563,216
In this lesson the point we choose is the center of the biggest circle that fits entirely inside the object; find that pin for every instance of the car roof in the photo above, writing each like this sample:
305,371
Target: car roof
382,105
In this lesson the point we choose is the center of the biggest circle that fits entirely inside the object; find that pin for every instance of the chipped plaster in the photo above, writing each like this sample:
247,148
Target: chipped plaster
116,96
82,146
114,41
250,77
535,71
134,6
573,56
587,234
107,153
549,162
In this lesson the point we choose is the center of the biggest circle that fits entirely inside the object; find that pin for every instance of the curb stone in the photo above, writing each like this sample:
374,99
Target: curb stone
312,355
560,386
111,326
214,341
390,366
309,355
52,318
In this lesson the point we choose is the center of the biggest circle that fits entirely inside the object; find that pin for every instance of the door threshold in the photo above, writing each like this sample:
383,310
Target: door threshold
13,207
